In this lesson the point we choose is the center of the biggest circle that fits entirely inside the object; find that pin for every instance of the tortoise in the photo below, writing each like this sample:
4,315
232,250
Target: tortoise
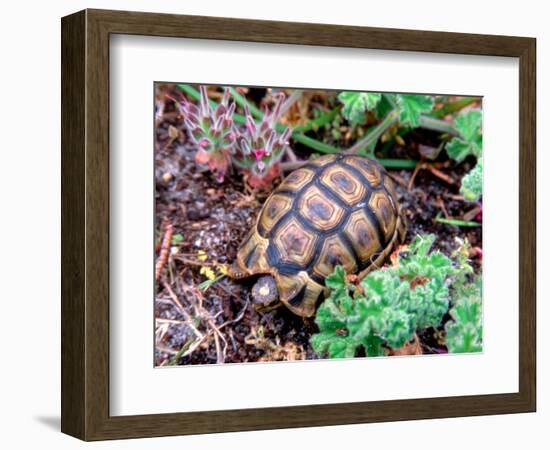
335,210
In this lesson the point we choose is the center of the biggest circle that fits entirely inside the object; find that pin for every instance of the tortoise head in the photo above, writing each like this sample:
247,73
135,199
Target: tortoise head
265,294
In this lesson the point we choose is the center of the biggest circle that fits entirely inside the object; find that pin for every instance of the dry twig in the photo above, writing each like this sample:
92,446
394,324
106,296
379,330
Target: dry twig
164,250
431,168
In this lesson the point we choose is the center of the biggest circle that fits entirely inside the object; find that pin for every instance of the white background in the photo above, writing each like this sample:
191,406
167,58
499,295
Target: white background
137,388
30,169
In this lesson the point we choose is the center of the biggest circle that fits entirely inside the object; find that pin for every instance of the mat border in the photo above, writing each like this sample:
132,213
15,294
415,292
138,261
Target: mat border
85,224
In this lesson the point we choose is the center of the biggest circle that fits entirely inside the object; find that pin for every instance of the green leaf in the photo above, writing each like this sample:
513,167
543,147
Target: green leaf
458,222
458,150
472,183
329,318
337,279
207,283
357,103
398,327
469,125
412,106
394,302
334,345
176,239
470,140
343,348
374,346
387,104
464,331
421,245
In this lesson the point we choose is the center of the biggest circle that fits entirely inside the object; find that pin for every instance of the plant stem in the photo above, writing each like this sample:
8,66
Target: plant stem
315,144
442,126
373,135
388,163
453,107
207,283
457,222
394,163
178,355
193,93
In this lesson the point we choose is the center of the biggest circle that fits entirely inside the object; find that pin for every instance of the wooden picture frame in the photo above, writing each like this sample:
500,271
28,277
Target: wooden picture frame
85,224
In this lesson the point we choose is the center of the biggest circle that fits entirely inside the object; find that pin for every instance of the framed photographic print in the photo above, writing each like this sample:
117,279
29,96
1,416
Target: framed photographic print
271,224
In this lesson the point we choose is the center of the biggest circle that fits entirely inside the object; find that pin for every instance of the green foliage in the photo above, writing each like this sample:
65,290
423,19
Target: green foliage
412,106
402,109
356,104
464,331
386,105
472,183
390,304
469,141
176,239
337,279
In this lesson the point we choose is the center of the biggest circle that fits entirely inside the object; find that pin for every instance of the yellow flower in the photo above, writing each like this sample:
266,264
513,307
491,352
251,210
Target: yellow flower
201,255
208,273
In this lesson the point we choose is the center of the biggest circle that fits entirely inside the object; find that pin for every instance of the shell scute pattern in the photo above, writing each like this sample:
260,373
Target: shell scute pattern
336,210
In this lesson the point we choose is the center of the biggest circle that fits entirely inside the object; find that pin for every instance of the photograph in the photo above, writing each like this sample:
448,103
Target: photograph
300,223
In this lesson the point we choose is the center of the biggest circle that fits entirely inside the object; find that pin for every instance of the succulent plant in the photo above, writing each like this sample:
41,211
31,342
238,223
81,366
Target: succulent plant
213,131
260,147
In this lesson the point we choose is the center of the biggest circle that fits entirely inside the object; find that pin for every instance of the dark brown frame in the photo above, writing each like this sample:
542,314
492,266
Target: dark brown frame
85,224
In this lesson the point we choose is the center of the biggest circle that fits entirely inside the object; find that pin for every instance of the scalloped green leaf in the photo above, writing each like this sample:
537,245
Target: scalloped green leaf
392,303
469,125
464,331
472,183
458,149
412,106
356,104
337,279
470,140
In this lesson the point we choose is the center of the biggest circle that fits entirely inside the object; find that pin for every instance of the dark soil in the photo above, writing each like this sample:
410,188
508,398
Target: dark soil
210,219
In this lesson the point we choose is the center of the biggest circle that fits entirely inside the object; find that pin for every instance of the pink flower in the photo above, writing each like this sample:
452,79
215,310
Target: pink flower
204,143
259,153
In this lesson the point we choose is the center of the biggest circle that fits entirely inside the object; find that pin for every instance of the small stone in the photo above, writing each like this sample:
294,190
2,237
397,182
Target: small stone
193,214
167,177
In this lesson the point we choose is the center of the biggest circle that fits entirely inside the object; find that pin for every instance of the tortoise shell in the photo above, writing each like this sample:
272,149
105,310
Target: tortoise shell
336,210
